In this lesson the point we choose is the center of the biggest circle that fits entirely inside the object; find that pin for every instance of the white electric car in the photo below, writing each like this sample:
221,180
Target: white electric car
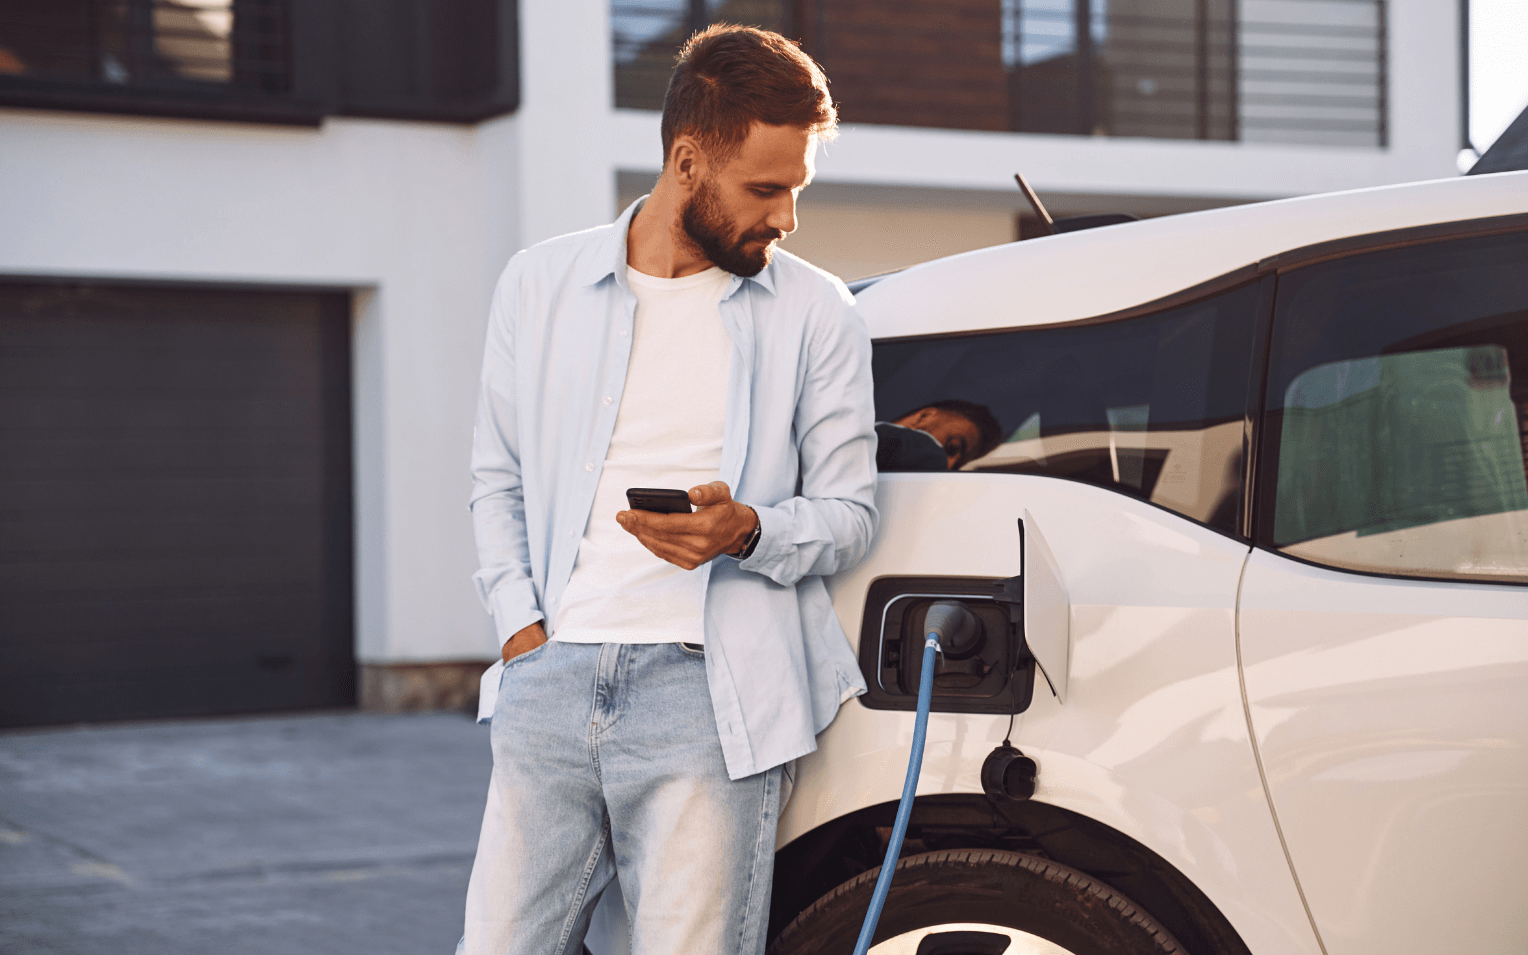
1250,566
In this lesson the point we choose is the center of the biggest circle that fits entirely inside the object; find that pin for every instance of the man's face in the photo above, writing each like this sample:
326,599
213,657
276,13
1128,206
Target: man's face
737,212
954,432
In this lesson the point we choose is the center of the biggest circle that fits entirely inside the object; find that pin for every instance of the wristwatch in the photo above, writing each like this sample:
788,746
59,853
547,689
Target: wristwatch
753,539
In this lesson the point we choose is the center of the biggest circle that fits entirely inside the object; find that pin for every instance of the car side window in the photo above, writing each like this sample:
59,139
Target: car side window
1396,412
1151,406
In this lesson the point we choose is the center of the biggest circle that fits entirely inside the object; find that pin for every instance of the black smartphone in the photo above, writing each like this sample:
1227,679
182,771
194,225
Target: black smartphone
661,500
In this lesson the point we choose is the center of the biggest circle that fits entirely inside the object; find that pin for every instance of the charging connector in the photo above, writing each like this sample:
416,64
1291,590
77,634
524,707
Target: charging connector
946,623
954,625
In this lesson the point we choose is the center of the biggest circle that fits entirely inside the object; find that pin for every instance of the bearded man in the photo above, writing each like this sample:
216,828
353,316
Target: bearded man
659,670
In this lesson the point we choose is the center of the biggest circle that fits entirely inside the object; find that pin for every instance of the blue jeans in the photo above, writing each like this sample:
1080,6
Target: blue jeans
607,765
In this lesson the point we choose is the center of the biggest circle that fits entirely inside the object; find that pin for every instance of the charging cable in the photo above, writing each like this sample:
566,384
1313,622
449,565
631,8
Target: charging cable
946,619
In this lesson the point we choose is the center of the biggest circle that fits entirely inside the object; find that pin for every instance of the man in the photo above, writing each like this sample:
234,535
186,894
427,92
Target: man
944,435
659,669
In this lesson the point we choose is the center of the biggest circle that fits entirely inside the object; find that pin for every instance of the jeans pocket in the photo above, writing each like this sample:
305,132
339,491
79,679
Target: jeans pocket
697,650
500,691
532,652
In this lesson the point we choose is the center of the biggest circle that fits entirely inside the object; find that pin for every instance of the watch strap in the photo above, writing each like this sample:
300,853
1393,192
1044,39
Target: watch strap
753,539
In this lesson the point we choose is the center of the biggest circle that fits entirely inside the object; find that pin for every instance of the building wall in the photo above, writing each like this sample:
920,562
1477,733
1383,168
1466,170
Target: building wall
833,232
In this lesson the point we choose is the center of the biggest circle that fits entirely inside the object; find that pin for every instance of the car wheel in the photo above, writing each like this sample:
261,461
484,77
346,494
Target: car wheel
1041,907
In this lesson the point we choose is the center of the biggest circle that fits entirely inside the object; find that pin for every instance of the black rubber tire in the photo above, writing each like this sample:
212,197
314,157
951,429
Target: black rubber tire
1011,889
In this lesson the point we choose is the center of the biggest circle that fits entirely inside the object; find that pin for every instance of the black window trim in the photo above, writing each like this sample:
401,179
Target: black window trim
181,101
93,281
317,89
1252,424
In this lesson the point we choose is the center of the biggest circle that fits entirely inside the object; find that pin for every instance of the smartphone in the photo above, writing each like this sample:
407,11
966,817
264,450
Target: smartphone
661,500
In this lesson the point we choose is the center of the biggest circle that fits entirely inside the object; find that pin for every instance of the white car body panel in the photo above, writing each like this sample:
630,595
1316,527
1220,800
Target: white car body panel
1152,739
1391,720
1080,275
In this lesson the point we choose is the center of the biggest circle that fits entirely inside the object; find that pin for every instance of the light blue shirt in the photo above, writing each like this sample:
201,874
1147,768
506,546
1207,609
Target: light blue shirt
798,447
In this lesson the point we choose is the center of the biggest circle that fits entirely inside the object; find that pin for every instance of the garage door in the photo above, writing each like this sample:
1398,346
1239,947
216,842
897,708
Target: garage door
175,521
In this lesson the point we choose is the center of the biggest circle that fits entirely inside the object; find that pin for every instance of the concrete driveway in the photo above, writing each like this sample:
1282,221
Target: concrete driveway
344,833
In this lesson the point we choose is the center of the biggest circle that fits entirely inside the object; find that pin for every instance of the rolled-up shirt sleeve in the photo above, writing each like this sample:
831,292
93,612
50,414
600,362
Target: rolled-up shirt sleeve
829,524
504,581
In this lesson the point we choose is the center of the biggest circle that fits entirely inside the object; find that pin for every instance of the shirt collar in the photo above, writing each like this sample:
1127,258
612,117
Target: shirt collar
609,258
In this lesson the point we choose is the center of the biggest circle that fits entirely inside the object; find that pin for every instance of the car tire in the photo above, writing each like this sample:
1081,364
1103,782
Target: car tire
985,886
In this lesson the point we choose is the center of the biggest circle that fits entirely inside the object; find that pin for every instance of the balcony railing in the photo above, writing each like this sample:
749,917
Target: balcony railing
1295,71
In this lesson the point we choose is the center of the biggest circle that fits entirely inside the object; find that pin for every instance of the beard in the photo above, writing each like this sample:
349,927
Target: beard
707,225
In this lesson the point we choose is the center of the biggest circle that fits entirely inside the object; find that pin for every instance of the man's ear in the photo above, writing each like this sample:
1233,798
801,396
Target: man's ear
688,161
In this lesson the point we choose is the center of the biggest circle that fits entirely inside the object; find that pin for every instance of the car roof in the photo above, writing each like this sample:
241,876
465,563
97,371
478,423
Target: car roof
1081,275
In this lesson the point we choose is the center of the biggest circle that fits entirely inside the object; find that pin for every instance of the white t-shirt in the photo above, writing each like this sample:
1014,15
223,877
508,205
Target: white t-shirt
668,433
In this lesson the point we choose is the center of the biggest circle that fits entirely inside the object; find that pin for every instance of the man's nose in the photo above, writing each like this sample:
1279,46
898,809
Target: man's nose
783,216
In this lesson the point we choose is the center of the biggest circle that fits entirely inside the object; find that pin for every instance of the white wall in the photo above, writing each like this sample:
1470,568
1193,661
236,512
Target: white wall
1424,87
832,233
566,75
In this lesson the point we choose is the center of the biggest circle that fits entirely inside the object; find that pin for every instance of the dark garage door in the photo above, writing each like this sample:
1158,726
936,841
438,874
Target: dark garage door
175,522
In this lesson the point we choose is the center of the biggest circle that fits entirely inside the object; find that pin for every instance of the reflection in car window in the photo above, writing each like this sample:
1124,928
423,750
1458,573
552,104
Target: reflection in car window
1396,411
1152,407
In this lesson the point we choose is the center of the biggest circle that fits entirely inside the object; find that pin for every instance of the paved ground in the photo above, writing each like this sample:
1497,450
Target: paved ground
349,834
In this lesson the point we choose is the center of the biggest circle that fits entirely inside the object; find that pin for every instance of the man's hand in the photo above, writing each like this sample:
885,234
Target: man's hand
524,641
719,526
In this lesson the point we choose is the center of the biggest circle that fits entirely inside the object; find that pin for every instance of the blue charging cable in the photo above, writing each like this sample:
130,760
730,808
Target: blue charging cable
943,618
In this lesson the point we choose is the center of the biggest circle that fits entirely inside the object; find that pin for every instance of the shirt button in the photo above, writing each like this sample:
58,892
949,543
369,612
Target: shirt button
589,466
623,333
608,399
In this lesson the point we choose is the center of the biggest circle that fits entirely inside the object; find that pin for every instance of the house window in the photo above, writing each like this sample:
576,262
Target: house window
285,61
1121,69
147,43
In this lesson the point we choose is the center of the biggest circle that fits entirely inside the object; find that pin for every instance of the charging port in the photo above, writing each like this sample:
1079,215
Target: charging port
985,668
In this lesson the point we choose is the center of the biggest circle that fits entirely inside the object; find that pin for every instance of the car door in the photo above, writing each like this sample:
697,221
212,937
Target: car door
1383,617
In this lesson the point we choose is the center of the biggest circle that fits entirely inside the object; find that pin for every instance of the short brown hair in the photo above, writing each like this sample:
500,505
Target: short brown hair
730,77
